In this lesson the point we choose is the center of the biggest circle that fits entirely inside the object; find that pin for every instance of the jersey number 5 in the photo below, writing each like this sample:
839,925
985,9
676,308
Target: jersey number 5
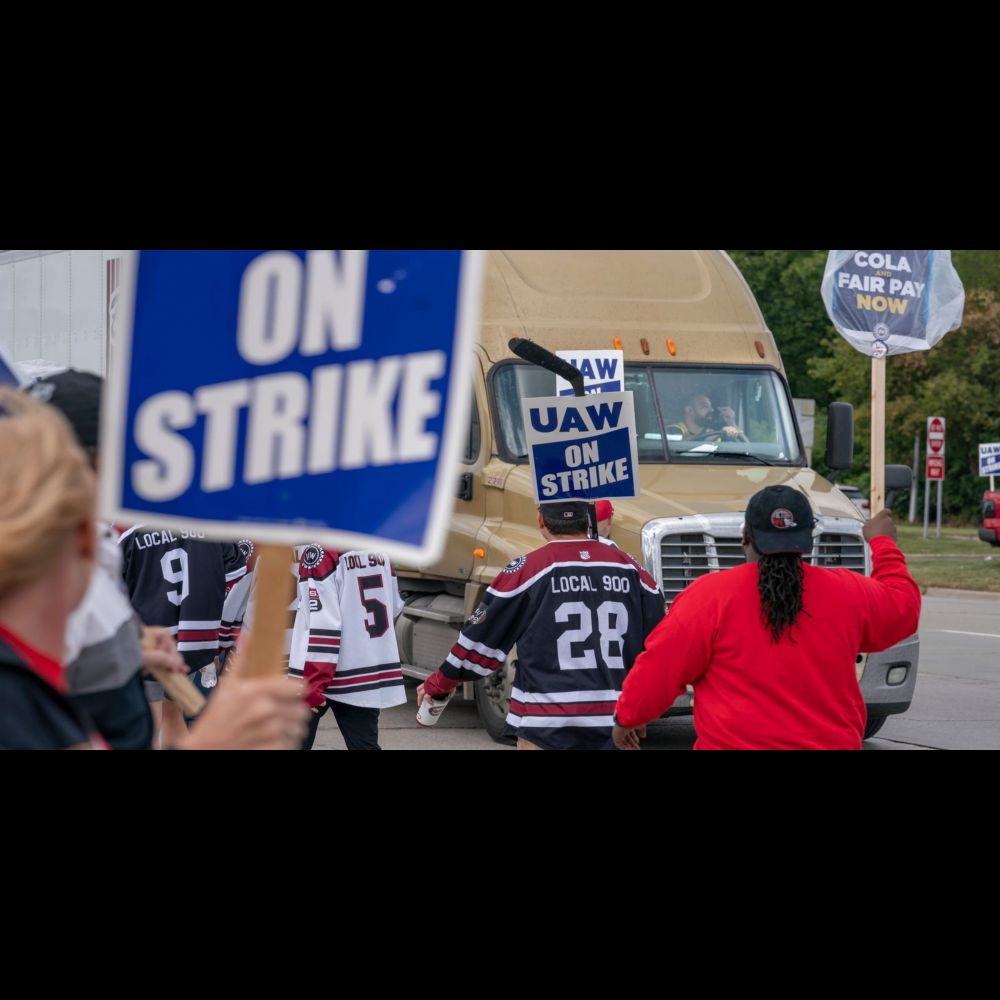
379,621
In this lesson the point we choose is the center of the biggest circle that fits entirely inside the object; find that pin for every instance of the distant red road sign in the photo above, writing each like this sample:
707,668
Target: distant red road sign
935,467
935,436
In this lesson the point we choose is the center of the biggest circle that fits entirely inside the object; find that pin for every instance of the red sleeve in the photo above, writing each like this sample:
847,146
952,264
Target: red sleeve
892,598
677,653
437,685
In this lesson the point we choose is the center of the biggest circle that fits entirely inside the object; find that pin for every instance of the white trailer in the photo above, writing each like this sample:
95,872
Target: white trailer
58,306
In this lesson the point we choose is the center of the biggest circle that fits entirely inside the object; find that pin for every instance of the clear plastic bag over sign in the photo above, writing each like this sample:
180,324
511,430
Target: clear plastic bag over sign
892,301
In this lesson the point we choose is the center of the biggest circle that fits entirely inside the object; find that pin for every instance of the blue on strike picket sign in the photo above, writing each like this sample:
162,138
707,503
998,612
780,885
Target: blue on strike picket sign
582,448
293,395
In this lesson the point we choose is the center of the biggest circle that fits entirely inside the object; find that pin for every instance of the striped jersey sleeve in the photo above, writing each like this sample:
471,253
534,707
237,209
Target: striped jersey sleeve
316,633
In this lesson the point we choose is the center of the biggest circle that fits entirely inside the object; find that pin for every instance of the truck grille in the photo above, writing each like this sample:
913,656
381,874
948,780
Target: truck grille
675,554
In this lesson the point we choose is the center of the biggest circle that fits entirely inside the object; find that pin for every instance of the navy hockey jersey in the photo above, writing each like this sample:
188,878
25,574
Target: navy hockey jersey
344,641
179,581
579,611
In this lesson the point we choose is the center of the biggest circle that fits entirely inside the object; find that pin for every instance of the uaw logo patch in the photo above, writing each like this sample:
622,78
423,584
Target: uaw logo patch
782,517
246,548
312,556
477,616
515,564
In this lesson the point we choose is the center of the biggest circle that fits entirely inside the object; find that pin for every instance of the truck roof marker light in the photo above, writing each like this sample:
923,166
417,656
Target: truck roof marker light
672,347
479,553
760,347
644,344
617,343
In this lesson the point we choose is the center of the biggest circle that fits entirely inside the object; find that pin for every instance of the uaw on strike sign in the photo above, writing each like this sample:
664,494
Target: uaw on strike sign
892,301
292,395
603,371
582,447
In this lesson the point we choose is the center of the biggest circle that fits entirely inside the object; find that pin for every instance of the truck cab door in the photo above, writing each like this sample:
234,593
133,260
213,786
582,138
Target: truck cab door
457,560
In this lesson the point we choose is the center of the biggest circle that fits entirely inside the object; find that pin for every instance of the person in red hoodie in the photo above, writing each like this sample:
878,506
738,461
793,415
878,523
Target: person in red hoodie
771,647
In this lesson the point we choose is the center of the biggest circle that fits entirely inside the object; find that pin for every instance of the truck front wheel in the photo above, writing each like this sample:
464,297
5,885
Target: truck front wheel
493,700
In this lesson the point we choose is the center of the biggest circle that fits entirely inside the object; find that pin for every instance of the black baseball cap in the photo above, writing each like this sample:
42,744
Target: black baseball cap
78,395
780,520
564,510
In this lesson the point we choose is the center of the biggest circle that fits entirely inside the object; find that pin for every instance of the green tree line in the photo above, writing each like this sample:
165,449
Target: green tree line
959,379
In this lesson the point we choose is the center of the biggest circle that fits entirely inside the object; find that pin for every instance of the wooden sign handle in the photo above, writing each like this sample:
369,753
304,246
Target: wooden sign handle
180,687
878,436
264,651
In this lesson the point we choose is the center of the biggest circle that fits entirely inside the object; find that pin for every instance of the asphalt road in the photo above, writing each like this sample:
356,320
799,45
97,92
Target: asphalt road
956,705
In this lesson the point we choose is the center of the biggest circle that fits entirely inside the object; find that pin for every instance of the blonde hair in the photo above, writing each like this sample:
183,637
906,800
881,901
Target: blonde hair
47,488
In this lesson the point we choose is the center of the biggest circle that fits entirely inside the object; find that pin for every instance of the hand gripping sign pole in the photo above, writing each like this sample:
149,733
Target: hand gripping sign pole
890,302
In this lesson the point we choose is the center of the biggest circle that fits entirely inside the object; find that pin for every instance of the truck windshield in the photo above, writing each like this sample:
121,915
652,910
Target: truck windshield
692,415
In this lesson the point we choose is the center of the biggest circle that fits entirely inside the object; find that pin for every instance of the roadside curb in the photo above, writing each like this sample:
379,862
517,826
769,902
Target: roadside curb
983,595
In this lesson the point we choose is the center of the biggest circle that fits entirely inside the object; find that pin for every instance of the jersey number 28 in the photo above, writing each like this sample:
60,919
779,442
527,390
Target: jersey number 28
612,625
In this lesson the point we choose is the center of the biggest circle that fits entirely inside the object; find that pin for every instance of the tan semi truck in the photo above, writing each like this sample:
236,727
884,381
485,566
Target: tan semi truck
689,328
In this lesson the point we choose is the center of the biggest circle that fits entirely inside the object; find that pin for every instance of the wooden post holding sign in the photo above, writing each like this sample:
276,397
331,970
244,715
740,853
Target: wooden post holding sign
180,687
328,404
886,302
877,464
274,589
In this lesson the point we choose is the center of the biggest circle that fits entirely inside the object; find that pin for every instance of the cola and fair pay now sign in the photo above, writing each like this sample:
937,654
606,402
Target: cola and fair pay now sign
293,395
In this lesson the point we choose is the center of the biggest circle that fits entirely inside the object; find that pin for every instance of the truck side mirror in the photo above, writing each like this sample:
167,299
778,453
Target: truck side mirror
897,477
840,436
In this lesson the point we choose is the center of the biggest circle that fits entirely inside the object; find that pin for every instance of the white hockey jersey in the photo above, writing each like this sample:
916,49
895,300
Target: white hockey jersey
343,641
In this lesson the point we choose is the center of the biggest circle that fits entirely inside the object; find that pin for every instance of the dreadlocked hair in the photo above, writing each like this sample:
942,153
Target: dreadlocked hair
779,583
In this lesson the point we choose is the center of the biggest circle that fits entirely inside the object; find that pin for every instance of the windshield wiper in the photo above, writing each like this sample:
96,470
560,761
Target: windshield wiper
742,456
